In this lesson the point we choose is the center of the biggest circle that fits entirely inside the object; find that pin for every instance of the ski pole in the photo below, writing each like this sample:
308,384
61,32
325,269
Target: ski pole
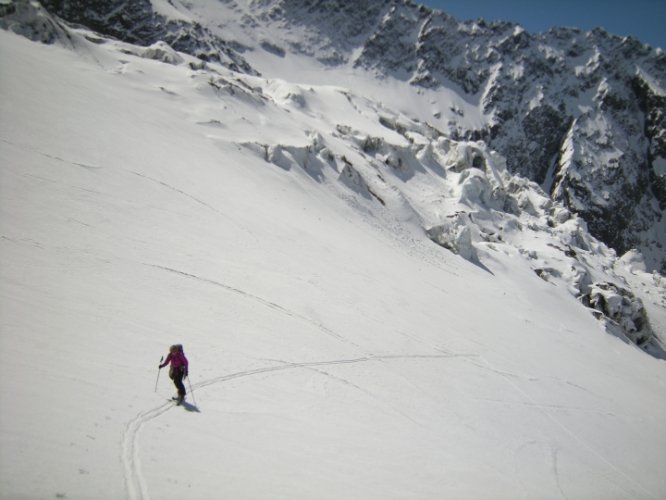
191,391
158,374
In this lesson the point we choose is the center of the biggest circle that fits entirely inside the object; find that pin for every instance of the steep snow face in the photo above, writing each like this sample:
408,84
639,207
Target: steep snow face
530,89
372,308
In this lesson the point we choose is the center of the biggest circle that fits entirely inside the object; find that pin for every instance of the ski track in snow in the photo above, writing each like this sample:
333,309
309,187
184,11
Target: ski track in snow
256,298
198,201
179,192
33,149
136,485
543,409
135,482
556,471
349,383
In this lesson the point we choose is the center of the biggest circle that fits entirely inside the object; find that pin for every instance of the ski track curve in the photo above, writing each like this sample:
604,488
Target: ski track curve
135,484
136,487
256,298
630,486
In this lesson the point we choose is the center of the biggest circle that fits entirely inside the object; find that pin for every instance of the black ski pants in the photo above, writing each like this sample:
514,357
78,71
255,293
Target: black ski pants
177,375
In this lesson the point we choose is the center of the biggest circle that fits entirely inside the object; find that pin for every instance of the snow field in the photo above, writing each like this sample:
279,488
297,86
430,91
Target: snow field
330,357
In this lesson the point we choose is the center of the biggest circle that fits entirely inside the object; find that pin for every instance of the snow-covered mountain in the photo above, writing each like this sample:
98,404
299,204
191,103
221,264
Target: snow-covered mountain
581,114
375,302
519,95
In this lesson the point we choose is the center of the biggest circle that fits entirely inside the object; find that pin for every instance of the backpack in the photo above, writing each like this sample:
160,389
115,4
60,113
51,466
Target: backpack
179,350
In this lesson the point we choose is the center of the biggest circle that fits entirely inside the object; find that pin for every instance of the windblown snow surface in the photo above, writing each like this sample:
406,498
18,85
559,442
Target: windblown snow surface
278,231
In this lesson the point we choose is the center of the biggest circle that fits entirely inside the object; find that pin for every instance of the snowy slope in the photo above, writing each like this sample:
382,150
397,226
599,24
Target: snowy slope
336,351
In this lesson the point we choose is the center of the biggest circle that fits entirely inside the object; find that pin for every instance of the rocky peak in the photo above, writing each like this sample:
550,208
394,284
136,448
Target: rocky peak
138,23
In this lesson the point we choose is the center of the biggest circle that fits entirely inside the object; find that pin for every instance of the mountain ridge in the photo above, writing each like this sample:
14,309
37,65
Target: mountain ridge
557,108
577,112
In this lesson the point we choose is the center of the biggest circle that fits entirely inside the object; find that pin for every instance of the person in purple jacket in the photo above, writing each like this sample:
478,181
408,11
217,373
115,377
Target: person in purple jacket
178,369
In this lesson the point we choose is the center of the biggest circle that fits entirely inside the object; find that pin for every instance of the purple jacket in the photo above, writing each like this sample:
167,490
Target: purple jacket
177,360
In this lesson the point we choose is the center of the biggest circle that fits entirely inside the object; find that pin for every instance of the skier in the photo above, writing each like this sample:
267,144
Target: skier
178,369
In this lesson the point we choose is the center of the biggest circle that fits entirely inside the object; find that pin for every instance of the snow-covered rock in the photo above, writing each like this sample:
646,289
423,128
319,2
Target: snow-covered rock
620,306
161,51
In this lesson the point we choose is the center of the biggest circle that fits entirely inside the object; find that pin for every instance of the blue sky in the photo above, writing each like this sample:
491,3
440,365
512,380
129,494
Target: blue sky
644,19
